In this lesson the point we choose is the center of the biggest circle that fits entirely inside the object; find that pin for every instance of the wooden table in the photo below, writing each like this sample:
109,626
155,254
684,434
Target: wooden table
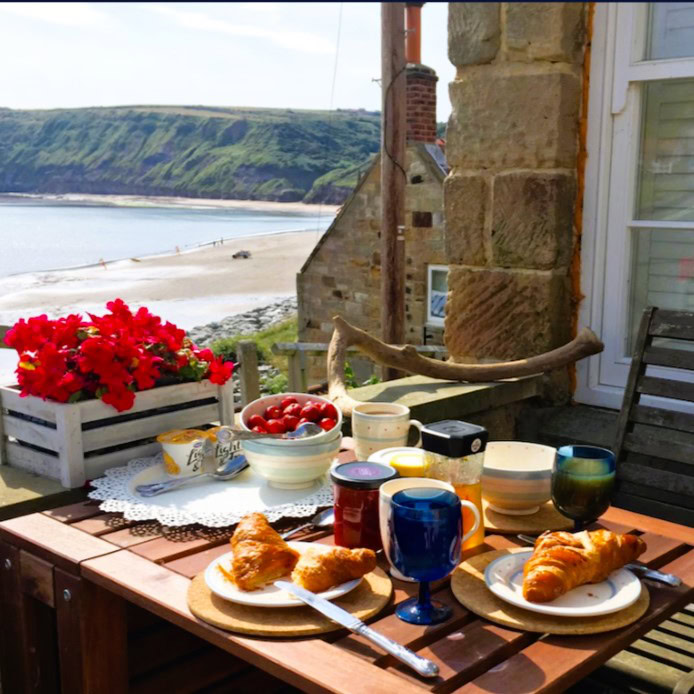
74,580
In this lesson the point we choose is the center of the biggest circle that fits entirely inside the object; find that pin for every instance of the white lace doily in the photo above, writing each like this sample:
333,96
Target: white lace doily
207,501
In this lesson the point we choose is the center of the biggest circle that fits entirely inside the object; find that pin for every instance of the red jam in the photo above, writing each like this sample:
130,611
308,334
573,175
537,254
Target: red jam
355,488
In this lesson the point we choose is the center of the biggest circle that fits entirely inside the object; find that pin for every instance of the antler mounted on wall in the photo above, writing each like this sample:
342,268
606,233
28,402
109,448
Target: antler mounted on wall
408,359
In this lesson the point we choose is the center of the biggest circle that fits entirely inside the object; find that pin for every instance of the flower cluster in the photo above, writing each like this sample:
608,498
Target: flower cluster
109,357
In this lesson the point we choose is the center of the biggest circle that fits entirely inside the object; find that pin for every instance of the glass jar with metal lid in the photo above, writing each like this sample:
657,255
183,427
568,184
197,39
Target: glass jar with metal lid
455,454
355,488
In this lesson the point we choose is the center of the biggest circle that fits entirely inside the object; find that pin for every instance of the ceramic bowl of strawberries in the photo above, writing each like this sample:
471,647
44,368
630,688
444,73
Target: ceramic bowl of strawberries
291,463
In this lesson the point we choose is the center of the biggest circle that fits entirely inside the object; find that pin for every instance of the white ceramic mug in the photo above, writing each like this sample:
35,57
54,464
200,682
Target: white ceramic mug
385,494
379,425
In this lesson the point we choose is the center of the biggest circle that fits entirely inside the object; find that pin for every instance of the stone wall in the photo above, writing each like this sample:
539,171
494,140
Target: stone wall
343,274
509,198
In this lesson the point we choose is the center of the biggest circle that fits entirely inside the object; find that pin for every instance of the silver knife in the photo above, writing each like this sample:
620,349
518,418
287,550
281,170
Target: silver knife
426,668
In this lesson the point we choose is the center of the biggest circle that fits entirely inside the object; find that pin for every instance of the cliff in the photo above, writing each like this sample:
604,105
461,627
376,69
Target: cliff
191,151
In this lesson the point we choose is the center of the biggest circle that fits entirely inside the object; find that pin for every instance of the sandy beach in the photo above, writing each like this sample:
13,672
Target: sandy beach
190,288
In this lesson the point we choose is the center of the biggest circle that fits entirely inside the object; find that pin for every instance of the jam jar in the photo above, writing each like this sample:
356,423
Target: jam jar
355,488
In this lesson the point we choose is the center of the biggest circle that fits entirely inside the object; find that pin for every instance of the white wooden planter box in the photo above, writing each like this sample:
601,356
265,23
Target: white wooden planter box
76,442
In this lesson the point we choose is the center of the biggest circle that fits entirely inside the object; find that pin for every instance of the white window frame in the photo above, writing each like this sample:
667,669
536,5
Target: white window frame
613,140
434,321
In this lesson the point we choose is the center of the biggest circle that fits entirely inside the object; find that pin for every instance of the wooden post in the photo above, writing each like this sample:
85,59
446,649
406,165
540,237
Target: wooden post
298,375
393,176
250,382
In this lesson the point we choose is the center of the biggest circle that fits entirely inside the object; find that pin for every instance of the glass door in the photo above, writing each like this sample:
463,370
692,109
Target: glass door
649,221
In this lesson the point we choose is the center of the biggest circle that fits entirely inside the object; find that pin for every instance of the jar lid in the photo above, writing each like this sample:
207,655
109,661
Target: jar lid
454,438
362,475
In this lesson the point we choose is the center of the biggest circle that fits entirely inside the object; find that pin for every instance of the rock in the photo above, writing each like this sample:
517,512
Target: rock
244,323
473,32
545,31
466,199
241,254
516,117
532,224
505,314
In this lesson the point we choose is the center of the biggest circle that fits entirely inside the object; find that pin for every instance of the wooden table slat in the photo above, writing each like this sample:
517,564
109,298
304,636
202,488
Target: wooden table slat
414,636
53,541
165,549
651,525
661,550
469,652
104,523
135,535
74,512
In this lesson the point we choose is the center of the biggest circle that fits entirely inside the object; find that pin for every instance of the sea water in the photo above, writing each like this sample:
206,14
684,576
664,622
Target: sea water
38,236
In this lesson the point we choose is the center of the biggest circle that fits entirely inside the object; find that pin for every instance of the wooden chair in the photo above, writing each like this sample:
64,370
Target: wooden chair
655,443
655,475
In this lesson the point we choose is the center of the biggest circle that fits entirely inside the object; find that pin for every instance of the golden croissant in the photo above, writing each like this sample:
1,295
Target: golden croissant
260,554
561,561
318,571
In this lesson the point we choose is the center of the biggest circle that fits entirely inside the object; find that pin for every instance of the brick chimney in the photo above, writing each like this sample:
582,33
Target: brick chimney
421,82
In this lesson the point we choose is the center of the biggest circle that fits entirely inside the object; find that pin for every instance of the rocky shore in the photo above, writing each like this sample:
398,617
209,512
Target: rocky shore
244,323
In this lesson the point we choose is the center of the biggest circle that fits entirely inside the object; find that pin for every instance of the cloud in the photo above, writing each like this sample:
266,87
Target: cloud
65,13
295,40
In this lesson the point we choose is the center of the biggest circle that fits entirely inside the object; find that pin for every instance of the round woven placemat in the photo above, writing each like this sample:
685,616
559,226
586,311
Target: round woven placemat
468,586
547,518
366,600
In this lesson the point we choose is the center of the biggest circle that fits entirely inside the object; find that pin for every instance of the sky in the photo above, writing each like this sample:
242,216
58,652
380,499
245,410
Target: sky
273,54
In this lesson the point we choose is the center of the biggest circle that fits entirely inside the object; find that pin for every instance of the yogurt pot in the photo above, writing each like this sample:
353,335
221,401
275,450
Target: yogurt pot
185,451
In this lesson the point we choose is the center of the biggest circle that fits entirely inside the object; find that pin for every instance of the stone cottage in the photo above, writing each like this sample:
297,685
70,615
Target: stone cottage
343,273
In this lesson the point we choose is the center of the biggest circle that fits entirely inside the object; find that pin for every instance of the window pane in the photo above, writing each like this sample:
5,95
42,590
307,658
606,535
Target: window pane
666,170
662,274
670,30
438,291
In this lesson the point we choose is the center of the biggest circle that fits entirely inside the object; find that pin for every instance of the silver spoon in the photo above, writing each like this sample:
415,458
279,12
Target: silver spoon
640,569
322,519
226,471
303,431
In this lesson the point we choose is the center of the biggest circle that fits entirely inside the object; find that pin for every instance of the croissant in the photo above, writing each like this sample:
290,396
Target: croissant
561,561
260,554
322,570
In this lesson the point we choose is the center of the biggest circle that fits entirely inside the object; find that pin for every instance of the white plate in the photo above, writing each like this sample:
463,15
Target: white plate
504,577
270,596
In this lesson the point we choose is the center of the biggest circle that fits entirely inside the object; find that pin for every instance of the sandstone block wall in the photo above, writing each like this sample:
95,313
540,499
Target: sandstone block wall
343,274
509,199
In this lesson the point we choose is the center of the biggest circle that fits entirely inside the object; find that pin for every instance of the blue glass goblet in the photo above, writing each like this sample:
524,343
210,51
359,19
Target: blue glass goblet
582,482
425,532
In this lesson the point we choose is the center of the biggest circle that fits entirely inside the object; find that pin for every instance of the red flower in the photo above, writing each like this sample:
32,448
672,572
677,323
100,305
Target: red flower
110,356
220,371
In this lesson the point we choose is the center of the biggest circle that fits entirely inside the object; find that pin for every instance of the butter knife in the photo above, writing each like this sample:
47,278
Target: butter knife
423,666
640,569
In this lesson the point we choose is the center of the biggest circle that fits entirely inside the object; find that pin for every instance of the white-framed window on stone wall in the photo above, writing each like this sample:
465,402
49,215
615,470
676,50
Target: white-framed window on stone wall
638,235
437,291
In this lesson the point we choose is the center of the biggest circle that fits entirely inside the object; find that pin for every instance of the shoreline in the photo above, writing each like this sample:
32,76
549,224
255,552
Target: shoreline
110,200
164,254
